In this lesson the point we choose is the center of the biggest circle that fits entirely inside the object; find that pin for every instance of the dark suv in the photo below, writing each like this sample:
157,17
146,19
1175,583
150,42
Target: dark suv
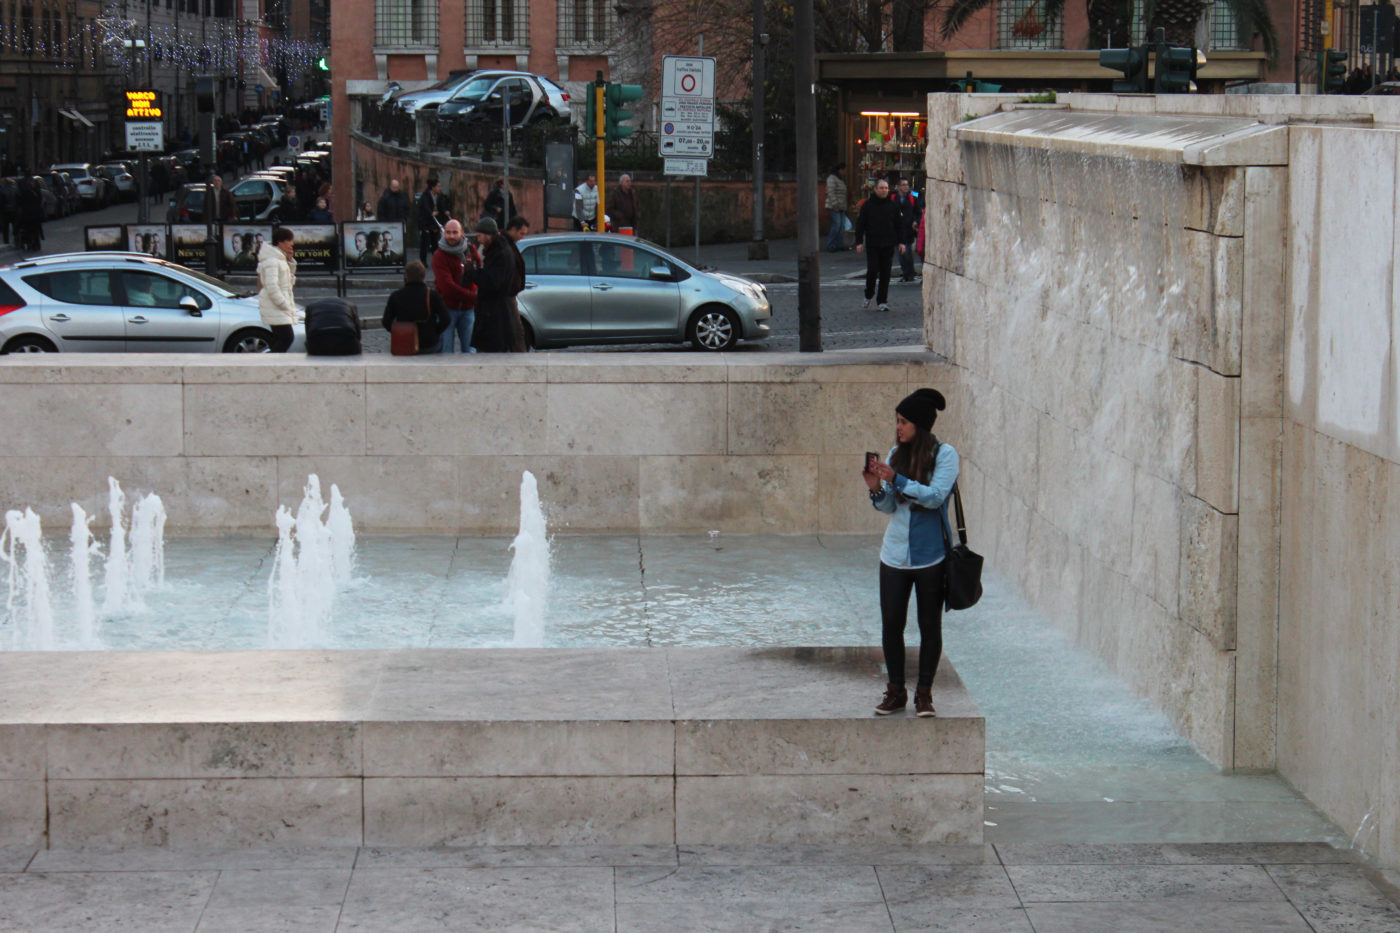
532,100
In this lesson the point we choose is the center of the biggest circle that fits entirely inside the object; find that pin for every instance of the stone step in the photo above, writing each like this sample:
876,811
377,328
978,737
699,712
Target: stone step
673,746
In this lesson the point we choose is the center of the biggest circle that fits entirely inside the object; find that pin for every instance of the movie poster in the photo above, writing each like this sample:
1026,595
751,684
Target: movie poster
313,247
187,245
149,239
241,244
372,244
105,238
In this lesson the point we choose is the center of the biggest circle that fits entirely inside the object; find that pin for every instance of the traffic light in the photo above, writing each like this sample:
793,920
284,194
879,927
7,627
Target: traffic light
1176,69
590,123
614,116
1331,70
1133,64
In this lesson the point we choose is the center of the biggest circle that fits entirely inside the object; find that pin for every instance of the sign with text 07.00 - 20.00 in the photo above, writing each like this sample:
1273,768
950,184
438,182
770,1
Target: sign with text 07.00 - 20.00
687,108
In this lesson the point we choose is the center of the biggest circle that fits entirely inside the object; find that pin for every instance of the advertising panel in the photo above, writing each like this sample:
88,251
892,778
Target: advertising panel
105,238
151,239
314,247
187,245
240,245
372,244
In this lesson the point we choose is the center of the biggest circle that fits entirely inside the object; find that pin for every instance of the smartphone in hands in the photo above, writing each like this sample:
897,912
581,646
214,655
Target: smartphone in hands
871,458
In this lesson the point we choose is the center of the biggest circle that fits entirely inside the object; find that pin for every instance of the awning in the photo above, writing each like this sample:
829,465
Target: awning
261,77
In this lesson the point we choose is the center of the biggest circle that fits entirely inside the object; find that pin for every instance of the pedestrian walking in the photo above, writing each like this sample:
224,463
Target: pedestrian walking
30,232
453,256
277,277
837,203
912,486
910,213
877,234
586,204
431,216
499,205
622,207
393,203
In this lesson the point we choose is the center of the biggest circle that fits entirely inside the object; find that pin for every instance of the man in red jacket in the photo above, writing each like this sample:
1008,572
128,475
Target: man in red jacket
454,254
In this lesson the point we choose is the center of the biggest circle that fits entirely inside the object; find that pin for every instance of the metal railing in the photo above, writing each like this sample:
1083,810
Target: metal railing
389,122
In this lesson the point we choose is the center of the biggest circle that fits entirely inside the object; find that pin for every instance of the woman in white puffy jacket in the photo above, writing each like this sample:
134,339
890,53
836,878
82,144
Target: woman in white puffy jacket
277,275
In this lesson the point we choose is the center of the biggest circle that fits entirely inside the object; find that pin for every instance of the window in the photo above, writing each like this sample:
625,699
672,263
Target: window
74,287
498,23
151,290
1021,24
586,23
400,23
624,262
553,259
1226,32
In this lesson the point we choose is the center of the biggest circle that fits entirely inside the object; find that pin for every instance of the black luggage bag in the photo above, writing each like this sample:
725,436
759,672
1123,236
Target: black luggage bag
332,327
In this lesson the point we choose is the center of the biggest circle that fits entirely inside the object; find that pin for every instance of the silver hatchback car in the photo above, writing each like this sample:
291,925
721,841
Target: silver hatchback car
592,288
109,302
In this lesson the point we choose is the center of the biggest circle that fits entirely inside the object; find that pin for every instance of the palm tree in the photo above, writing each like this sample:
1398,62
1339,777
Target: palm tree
1109,17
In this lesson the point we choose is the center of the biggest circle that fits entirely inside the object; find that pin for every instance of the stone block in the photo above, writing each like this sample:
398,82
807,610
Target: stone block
618,419
21,752
1209,571
116,751
738,494
577,493
23,817
550,811
521,749
1054,571
945,225
205,813
1256,666
86,420
1265,304
795,419
1209,331
272,369
830,747
104,369
462,419
843,502
453,369
635,368
1216,199
1217,439
386,493
849,809
232,420
1156,560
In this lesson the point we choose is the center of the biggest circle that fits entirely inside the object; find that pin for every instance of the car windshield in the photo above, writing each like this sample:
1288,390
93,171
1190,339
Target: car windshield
475,89
213,284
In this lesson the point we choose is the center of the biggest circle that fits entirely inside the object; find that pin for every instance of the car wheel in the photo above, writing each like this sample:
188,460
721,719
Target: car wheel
714,328
29,344
249,340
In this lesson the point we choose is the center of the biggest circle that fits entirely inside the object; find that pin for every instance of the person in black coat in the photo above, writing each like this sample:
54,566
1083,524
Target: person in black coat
393,203
421,305
432,214
494,281
878,236
499,205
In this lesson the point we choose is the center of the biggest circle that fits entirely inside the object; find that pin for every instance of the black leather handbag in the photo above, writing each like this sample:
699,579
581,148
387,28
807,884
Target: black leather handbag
963,567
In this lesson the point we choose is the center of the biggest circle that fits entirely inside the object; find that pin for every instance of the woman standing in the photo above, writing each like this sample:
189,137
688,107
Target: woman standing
277,275
913,488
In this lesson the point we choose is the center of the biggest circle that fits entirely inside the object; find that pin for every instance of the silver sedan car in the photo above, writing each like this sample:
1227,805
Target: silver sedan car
592,288
108,302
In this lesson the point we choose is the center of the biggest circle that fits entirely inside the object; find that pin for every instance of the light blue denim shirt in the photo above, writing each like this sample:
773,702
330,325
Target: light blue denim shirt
913,538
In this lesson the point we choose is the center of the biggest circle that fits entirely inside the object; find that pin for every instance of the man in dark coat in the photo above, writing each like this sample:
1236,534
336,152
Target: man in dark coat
877,235
431,216
909,212
494,281
517,229
393,203
499,205
622,206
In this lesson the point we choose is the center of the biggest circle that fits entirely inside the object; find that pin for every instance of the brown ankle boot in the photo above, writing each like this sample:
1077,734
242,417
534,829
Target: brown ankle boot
923,702
895,699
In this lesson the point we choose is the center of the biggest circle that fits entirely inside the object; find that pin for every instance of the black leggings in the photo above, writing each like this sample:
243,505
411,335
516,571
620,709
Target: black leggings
282,337
895,585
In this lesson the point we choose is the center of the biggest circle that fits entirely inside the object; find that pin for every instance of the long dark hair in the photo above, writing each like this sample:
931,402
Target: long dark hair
915,459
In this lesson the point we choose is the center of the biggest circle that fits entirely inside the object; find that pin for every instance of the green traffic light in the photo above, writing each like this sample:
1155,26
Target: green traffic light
321,64
614,96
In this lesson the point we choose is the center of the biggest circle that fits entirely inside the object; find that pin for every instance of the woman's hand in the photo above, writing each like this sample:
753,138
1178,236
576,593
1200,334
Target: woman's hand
872,481
883,471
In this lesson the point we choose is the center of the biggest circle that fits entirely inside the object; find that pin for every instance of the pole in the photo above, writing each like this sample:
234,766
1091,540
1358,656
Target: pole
598,124
809,300
700,52
505,150
758,249
668,211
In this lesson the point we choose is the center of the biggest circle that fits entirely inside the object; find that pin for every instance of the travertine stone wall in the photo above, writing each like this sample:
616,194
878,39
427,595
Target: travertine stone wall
662,443
1199,483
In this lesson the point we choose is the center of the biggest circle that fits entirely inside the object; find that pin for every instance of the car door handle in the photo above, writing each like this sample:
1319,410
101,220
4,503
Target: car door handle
61,318
138,320
603,287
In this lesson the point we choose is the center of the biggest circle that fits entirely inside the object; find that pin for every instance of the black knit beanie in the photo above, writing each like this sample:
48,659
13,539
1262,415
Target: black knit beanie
921,408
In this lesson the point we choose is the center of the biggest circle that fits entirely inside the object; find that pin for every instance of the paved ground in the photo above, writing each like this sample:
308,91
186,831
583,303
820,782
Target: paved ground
1004,888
